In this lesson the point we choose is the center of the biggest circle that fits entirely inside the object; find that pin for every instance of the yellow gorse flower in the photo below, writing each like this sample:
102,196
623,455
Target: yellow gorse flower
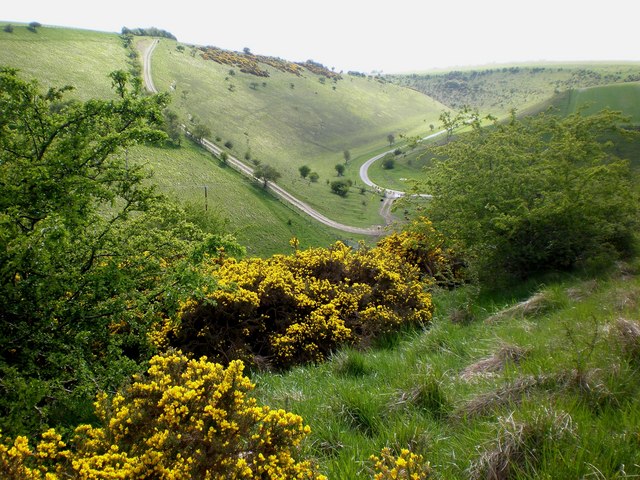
186,418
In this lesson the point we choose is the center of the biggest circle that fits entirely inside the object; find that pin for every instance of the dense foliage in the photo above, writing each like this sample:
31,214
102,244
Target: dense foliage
298,308
184,419
419,244
535,194
90,255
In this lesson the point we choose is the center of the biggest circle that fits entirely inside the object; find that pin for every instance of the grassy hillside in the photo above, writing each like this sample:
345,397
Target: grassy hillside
542,379
288,120
60,56
498,90
620,97
259,221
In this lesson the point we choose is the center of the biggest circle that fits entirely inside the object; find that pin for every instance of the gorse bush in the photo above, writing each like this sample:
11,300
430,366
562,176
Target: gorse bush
184,419
421,245
298,308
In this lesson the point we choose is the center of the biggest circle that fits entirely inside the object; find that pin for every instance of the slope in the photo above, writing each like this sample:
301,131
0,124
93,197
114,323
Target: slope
497,90
60,56
288,120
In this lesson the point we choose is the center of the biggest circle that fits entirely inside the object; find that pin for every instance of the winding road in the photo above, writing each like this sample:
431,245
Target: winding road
389,195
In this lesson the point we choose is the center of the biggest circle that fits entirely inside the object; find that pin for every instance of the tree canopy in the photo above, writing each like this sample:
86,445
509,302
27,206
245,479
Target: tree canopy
90,254
535,194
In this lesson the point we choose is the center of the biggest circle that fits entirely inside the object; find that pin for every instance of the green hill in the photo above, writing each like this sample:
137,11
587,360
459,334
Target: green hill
290,120
61,56
497,90
620,97
286,120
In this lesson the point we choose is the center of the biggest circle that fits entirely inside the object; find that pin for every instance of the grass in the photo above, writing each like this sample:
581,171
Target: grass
61,56
259,221
549,392
288,121
624,98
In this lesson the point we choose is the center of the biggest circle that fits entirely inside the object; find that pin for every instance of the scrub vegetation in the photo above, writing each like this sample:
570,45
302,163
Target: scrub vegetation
494,334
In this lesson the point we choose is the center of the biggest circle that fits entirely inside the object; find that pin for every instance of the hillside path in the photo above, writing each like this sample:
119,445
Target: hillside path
146,66
385,209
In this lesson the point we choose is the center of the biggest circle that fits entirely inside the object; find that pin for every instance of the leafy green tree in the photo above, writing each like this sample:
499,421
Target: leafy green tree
304,171
313,177
90,255
388,162
200,131
347,156
391,139
172,126
8,28
340,169
266,173
341,187
536,194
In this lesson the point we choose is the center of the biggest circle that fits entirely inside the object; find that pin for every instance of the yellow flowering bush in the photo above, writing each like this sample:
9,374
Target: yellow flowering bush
296,308
185,419
421,245
406,466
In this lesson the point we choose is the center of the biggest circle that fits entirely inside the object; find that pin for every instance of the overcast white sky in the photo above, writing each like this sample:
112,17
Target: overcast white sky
393,36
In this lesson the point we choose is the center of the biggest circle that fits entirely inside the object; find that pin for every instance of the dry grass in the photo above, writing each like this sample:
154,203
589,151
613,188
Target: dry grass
508,394
495,363
538,304
627,333
518,445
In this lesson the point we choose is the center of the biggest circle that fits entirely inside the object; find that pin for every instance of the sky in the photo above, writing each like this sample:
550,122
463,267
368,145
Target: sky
370,36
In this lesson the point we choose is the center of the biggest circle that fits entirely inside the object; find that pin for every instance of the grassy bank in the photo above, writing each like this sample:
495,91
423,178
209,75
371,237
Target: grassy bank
540,381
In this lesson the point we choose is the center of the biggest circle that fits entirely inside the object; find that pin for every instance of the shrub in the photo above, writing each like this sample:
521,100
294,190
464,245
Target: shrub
228,144
8,28
406,466
313,177
421,245
299,308
186,418
340,187
388,162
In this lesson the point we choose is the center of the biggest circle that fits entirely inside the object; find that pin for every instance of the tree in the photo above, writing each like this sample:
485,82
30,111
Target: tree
266,173
347,156
341,187
313,177
90,255
200,132
33,26
340,169
391,139
304,171
8,28
388,162
172,126
535,195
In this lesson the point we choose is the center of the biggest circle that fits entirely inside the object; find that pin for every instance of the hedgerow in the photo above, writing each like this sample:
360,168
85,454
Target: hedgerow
184,419
298,308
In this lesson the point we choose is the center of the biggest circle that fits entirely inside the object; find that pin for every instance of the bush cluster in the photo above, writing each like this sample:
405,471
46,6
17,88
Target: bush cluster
184,419
248,62
298,308
420,244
